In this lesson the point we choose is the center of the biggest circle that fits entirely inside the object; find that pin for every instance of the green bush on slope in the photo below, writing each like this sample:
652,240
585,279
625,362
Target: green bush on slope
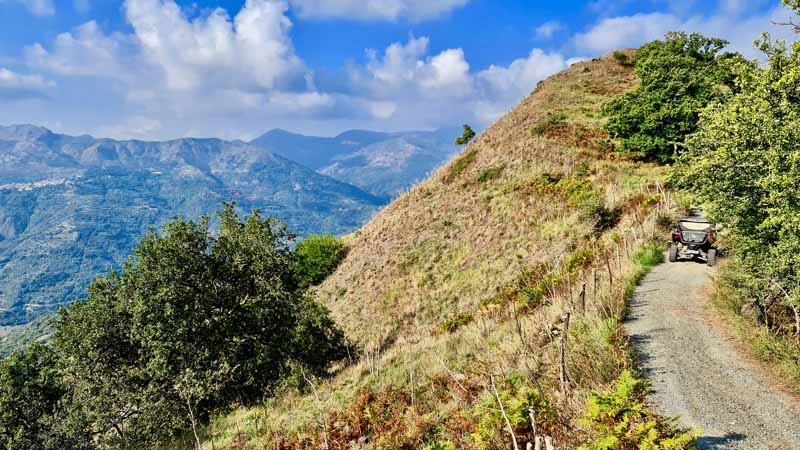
316,258
193,324
743,165
679,77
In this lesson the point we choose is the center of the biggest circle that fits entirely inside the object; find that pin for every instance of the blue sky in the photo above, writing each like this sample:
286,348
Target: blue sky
158,69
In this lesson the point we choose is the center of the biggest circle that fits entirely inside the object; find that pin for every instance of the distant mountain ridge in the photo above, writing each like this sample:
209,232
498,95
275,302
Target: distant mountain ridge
74,206
383,164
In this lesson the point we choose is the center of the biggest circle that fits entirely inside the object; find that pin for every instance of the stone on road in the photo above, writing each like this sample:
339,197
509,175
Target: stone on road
696,371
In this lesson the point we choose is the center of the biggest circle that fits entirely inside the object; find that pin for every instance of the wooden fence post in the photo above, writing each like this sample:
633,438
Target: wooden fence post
582,298
562,344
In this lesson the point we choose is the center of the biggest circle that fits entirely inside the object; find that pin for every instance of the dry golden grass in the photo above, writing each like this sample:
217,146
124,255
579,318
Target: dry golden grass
458,249
445,246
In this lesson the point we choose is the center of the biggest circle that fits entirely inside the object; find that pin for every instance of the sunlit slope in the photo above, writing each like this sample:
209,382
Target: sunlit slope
458,237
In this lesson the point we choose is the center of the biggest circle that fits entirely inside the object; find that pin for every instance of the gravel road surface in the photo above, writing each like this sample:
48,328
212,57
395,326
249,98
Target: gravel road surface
696,371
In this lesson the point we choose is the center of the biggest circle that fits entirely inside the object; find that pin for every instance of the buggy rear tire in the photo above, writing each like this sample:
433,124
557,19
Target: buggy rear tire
711,257
673,253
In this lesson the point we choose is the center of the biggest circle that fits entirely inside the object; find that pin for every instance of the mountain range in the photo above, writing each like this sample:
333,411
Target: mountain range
74,206
383,164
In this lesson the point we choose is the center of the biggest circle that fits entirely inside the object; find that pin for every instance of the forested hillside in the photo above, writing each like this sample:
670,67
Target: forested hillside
74,207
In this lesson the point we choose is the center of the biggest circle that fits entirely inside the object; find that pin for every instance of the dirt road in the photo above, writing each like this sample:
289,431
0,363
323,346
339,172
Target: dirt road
696,371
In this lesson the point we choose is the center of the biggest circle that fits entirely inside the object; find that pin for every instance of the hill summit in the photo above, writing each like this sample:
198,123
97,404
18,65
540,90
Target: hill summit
486,304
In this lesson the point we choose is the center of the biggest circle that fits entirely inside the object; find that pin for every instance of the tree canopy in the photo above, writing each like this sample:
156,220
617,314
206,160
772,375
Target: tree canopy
194,323
679,76
466,137
317,257
744,165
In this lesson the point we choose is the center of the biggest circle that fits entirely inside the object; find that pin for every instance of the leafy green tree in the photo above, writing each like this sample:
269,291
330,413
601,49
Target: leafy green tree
744,164
317,257
466,137
33,413
194,323
678,76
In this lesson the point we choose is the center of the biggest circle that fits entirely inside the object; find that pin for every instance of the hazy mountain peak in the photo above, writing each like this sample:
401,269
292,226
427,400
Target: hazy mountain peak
23,132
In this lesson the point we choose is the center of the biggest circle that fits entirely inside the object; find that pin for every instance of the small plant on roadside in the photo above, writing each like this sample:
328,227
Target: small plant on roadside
619,419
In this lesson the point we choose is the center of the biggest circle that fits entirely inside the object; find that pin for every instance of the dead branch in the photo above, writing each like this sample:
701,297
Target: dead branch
503,411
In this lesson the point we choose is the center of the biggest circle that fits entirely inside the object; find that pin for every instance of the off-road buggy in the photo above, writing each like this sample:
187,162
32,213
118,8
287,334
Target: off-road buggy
693,237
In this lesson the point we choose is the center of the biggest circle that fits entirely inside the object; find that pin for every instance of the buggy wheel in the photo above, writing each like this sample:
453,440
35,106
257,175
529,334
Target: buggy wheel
711,257
673,253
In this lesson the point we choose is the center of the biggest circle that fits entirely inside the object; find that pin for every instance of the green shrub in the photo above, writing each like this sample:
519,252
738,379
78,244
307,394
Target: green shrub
466,137
461,165
582,170
454,323
579,259
576,190
649,256
619,419
518,398
552,121
195,322
441,446
679,76
316,257
490,174
33,397
549,179
622,58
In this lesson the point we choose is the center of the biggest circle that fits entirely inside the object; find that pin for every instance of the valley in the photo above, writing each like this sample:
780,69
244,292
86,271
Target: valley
72,207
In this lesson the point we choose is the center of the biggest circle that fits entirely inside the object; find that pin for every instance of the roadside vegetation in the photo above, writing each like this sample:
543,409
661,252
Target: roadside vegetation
744,165
730,127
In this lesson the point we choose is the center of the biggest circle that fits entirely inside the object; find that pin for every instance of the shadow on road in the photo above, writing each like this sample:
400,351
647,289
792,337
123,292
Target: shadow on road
719,442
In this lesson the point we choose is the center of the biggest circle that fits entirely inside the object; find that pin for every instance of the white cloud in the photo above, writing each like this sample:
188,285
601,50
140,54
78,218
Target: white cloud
16,86
13,80
401,62
84,51
728,23
181,69
37,7
408,68
376,9
627,31
252,49
418,89
548,29
137,127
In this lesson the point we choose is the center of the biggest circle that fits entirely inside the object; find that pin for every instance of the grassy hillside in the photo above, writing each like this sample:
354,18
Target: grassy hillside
455,295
